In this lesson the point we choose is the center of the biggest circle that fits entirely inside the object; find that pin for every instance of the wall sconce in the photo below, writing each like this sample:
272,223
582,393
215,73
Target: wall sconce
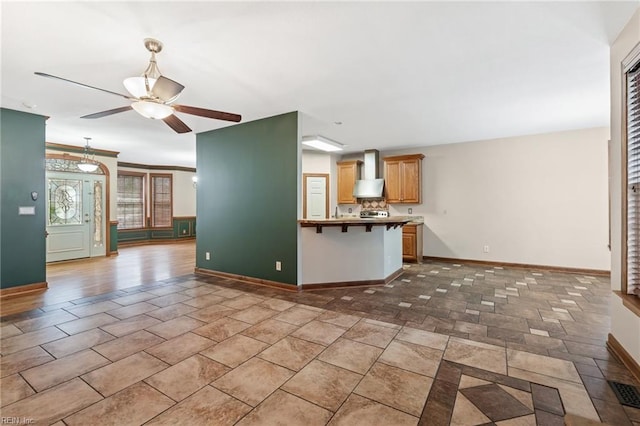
194,179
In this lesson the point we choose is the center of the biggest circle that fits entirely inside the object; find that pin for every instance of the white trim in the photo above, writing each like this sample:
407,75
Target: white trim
631,59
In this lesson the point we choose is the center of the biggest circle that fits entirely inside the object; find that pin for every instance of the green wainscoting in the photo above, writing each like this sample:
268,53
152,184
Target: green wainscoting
247,198
113,237
22,237
183,228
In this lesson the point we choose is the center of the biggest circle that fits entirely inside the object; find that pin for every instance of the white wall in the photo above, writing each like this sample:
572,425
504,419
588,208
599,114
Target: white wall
356,255
538,199
625,325
319,162
184,194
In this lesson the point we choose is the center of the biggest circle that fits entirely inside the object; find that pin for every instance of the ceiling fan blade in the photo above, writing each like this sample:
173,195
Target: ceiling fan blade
176,124
42,74
166,89
209,113
107,112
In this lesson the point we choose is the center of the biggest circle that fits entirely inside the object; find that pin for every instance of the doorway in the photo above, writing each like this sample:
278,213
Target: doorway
76,226
315,196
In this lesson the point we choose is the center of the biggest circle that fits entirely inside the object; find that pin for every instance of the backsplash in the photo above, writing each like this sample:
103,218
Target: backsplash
368,204
374,204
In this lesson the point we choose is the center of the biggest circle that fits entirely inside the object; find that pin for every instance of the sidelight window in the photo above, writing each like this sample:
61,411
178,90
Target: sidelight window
631,188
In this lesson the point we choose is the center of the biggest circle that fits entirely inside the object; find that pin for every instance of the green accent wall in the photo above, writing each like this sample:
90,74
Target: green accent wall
113,237
22,238
247,198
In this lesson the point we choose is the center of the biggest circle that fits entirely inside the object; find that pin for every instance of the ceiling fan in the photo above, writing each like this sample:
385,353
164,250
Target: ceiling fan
152,96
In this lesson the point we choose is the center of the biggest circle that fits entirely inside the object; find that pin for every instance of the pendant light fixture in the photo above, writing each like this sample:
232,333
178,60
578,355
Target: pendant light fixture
88,163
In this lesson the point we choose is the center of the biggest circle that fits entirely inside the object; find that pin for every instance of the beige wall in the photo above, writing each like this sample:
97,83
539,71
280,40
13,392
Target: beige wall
184,194
539,199
625,325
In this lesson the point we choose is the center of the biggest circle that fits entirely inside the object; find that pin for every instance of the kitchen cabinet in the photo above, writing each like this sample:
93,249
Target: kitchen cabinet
412,243
348,173
403,179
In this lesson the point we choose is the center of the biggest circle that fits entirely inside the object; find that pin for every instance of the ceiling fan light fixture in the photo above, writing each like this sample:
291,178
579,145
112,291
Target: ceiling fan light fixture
153,110
137,87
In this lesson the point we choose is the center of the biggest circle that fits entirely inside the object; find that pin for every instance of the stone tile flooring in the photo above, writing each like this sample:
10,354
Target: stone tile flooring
443,344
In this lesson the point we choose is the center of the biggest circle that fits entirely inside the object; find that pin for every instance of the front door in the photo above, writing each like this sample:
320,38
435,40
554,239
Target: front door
75,219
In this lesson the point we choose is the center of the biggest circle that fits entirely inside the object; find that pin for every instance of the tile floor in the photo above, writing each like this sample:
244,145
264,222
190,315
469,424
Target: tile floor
443,344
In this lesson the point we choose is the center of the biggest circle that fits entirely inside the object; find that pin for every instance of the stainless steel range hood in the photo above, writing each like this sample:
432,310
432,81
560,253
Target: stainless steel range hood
372,185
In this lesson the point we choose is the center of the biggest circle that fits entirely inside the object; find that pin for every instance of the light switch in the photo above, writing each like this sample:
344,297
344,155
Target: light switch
27,210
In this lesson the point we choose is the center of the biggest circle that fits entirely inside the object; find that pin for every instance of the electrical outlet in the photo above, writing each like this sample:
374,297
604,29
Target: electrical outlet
278,265
410,210
207,256
485,249
350,210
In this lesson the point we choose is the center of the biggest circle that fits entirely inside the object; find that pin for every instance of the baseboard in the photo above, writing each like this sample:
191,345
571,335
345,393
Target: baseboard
244,278
621,353
155,241
350,284
23,290
600,272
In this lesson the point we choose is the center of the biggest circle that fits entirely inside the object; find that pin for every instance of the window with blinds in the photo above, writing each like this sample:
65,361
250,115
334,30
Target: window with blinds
632,184
130,200
161,201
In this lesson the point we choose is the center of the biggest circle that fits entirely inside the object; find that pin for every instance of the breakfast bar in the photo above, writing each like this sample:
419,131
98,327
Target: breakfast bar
351,251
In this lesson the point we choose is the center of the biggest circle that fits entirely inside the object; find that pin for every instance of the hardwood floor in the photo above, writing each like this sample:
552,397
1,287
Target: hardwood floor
89,277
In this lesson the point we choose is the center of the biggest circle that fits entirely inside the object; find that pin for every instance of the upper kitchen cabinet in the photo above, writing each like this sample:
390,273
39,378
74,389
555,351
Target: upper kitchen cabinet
348,173
403,179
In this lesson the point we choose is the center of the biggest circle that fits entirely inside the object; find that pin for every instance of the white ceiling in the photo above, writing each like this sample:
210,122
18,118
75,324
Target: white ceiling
396,75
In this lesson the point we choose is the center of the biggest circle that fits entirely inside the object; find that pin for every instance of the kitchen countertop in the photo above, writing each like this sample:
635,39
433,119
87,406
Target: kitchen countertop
355,220
414,220
390,222
351,219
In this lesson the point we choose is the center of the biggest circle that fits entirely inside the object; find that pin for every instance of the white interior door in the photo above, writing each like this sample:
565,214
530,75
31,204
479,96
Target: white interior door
75,219
316,197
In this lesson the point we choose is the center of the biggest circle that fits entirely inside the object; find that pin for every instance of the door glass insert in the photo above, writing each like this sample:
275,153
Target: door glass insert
67,165
65,202
97,213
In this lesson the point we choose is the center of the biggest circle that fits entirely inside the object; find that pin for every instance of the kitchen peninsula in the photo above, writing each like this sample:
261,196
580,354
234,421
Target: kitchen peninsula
351,251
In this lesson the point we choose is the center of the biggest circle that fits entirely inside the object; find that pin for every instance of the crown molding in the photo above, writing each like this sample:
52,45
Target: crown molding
154,167
79,149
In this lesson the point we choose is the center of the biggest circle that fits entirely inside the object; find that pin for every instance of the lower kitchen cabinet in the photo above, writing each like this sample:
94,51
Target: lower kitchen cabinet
412,243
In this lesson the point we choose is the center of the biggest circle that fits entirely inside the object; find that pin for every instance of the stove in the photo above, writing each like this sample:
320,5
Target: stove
373,214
